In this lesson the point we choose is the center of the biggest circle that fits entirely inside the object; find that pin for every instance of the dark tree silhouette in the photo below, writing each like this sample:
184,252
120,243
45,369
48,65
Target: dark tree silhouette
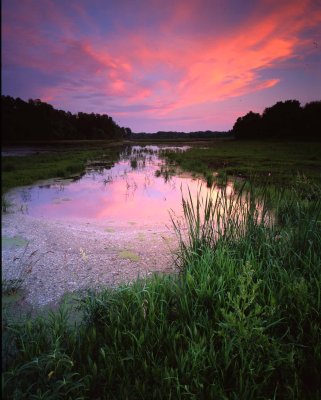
181,135
38,121
311,119
248,126
284,120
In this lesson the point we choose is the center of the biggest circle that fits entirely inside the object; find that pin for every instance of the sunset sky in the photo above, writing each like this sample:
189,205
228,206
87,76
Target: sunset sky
152,65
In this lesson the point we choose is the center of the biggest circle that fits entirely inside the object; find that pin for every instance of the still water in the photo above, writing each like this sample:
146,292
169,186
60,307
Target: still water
138,188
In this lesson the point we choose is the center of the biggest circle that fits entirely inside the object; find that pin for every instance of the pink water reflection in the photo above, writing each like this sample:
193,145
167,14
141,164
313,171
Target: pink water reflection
120,194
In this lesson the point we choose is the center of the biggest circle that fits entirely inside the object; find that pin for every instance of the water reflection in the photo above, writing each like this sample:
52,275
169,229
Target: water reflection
139,188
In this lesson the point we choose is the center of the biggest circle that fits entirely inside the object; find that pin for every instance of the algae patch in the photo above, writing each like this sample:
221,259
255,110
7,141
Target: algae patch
141,237
11,242
129,255
167,239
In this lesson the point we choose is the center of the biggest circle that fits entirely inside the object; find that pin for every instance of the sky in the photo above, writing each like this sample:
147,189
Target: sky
181,65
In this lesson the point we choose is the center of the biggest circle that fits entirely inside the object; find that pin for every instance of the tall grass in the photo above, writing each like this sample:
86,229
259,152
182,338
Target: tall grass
224,215
240,321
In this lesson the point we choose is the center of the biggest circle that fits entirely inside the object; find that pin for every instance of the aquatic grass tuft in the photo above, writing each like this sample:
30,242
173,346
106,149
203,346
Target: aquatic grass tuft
134,163
224,215
129,255
5,204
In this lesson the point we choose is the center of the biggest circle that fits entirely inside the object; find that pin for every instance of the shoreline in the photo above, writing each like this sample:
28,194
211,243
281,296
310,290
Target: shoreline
65,256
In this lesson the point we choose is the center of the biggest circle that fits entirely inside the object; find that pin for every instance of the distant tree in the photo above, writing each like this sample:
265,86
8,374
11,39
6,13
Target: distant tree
248,126
312,120
37,120
283,119
127,133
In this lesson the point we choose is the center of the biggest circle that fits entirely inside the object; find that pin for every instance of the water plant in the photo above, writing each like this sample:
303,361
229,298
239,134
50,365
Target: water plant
134,163
166,172
209,179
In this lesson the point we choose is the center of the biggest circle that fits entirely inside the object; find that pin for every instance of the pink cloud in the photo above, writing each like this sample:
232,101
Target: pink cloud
156,69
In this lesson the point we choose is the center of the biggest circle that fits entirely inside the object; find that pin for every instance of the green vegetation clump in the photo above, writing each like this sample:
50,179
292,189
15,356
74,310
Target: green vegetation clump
25,170
266,162
129,255
134,163
240,321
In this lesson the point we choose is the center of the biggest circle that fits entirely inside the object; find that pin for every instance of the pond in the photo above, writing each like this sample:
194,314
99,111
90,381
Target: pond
139,188
106,227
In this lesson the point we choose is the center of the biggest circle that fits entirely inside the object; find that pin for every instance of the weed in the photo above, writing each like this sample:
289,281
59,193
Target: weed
129,255
21,266
5,204
134,163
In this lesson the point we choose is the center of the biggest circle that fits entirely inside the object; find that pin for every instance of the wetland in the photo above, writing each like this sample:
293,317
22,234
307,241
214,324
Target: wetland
107,225
210,252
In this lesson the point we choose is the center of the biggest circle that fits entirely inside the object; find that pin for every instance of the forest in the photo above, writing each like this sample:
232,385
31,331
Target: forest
35,120
284,120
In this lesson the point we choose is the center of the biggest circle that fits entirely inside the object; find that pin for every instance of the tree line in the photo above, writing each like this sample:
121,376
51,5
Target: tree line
179,135
286,120
38,121
34,120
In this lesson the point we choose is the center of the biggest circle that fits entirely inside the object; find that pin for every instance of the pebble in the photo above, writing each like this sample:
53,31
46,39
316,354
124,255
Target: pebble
52,275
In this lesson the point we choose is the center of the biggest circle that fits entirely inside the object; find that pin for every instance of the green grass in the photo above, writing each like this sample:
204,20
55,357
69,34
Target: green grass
275,162
240,321
25,170
129,255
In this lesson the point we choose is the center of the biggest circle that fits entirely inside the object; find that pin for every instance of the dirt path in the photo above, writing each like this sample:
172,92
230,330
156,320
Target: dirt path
57,256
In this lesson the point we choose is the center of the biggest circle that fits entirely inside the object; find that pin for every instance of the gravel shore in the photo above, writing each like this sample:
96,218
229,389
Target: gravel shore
55,257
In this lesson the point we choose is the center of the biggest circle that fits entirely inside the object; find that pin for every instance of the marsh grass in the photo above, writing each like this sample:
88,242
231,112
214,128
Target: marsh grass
240,321
280,162
134,163
224,215
166,171
20,171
